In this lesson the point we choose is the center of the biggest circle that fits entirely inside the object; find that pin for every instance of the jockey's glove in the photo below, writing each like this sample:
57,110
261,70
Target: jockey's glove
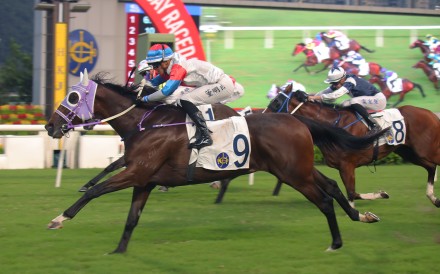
145,99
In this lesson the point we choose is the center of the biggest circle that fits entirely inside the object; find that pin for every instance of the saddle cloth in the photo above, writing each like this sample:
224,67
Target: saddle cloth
231,147
392,117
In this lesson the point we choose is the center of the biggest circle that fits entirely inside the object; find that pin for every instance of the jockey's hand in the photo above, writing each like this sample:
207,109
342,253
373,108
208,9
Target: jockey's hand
315,98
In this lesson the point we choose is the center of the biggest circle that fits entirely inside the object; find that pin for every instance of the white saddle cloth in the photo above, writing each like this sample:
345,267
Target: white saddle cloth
394,119
231,148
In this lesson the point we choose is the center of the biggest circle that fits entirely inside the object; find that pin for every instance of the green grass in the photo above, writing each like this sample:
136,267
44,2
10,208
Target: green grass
182,231
257,68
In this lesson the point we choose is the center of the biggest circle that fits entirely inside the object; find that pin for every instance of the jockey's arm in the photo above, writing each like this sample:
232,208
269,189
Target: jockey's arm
329,95
177,75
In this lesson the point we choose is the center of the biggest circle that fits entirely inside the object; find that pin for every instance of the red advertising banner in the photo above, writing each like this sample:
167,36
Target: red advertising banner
132,34
171,16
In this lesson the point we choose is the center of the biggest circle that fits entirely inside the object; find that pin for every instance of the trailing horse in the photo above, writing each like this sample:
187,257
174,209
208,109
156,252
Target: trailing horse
421,144
353,45
407,86
156,142
312,59
423,48
429,72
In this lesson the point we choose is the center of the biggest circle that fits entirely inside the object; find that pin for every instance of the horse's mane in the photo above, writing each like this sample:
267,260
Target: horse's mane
102,78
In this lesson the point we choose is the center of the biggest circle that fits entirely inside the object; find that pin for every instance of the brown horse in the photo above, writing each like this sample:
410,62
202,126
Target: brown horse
157,153
374,68
312,59
421,147
429,71
423,48
353,45
407,86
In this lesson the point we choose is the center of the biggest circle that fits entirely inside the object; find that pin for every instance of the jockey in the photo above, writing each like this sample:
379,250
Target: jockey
393,81
319,48
341,40
365,97
211,84
358,60
274,90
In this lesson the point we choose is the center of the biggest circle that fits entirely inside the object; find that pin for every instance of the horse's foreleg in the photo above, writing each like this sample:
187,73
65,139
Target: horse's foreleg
367,50
139,198
110,168
331,187
117,182
398,101
277,188
322,200
223,187
302,65
432,171
347,174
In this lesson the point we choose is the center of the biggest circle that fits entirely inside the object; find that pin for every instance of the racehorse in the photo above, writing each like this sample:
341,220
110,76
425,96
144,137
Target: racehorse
374,68
312,59
156,151
429,71
421,147
423,48
407,86
353,45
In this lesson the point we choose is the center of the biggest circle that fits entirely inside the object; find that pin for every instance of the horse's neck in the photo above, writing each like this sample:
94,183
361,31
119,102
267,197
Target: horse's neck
319,112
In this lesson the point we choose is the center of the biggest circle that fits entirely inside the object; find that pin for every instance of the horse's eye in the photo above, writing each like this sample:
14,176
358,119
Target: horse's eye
73,98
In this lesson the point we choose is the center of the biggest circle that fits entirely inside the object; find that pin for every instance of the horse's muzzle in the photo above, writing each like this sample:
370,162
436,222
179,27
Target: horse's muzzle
49,129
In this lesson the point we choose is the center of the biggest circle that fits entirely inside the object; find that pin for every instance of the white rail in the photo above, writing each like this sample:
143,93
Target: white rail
41,128
219,28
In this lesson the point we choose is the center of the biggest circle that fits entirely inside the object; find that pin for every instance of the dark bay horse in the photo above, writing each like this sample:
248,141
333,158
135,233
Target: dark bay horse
407,86
312,59
157,153
429,72
421,147
423,48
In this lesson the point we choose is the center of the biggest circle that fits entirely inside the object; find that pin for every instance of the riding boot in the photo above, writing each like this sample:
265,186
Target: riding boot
203,136
374,126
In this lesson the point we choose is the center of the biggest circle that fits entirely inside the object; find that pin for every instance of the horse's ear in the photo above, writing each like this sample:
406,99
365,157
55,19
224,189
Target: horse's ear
85,79
81,75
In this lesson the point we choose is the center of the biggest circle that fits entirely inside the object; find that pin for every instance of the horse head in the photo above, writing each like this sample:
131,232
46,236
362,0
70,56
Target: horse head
300,47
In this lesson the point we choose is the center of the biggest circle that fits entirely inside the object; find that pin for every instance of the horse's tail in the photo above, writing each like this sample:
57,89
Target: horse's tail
367,49
327,136
420,89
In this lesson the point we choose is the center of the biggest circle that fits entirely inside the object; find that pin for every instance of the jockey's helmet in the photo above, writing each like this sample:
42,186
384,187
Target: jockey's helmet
351,53
159,53
330,34
144,66
335,75
308,41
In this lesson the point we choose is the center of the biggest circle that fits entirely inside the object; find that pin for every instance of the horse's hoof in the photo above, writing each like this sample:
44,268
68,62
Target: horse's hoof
82,189
383,194
371,217
55,225
437,203
334,247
